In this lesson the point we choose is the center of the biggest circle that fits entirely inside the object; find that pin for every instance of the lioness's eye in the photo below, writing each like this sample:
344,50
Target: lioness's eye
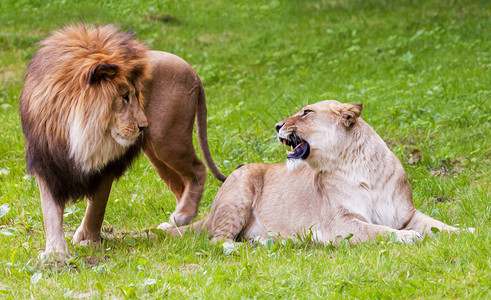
305,112
126,97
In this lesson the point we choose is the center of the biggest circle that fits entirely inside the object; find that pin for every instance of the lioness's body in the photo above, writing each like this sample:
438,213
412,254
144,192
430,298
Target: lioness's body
344,181
93,97
260,199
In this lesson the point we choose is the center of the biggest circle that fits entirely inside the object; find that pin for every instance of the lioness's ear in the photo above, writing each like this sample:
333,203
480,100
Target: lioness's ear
349,113
103,72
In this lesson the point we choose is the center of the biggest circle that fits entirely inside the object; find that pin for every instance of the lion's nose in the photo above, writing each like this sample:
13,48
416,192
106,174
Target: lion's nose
278,126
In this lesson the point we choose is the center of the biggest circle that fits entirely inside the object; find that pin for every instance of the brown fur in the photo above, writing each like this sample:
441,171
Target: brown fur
59,86
89,93
350,183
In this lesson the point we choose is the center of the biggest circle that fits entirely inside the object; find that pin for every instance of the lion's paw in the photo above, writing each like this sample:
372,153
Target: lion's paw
180,219
56,249
83,238
54,254
86,243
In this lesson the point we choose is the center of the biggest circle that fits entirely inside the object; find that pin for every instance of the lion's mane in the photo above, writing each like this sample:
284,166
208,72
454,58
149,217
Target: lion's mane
65,106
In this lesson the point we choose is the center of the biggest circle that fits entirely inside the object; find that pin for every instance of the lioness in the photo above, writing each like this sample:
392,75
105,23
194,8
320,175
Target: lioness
340,179
93,97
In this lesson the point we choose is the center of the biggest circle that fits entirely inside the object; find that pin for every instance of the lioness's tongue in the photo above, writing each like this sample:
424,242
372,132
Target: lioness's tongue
301,151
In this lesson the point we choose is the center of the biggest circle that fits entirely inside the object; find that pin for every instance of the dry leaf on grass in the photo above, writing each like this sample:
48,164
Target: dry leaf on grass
415,157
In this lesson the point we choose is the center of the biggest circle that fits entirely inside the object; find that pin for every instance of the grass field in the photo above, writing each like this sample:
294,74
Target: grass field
422,69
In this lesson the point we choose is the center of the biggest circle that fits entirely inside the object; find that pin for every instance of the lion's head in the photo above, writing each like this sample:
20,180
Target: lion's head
319,134
82,95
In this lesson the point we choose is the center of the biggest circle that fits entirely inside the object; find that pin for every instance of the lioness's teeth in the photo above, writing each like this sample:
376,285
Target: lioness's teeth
292,148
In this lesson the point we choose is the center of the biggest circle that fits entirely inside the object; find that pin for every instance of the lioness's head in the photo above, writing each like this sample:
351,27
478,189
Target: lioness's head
319,133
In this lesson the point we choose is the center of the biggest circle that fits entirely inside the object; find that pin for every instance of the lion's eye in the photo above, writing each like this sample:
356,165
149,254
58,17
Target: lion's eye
126,97
306,112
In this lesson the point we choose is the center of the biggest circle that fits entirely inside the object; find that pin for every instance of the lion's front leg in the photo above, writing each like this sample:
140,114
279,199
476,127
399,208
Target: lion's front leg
53,223
89,231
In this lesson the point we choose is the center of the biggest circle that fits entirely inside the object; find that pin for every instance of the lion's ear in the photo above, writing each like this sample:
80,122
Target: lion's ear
103,72
350,113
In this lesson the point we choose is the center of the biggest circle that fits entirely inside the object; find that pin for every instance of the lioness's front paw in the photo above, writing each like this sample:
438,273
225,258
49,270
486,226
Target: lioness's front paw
408,236
165,226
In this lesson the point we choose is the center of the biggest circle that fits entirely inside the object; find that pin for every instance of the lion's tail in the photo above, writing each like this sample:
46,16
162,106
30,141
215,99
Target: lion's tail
196,227
202,134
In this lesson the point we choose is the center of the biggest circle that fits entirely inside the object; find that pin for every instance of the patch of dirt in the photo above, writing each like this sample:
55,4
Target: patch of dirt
391,143
54,264
92,260
107,229
442,199
449,168
438,199
163,18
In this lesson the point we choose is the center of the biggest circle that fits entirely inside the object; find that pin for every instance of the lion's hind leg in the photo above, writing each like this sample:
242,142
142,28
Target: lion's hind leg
182,171
169,176
174,182
193,176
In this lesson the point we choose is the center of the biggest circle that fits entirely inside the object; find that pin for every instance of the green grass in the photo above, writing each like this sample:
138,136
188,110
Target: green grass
422,70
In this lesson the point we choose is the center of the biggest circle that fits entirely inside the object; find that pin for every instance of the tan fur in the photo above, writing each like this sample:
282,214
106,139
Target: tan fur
69,110
88,94
351,183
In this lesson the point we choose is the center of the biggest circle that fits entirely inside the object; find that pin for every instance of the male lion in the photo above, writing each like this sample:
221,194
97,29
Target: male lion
342,180
93,97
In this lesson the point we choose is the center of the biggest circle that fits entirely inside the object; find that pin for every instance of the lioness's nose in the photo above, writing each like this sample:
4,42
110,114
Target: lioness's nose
140,128
278,126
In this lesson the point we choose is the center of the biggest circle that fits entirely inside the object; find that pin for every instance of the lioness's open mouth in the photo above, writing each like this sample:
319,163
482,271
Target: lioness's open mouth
300,148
